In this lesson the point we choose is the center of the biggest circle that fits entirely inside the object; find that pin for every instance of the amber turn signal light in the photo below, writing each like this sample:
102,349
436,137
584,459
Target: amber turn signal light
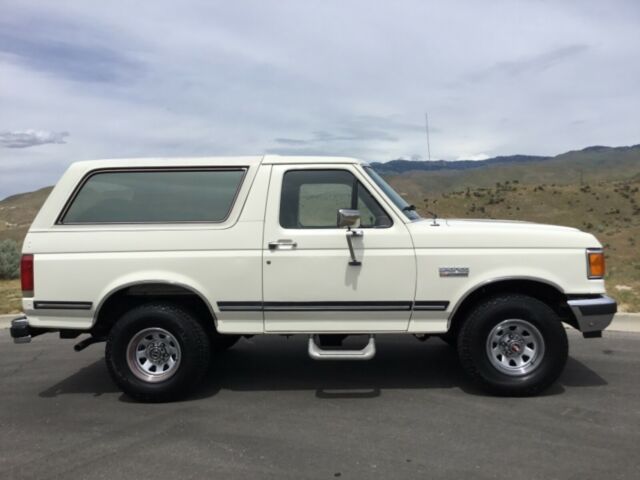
595,263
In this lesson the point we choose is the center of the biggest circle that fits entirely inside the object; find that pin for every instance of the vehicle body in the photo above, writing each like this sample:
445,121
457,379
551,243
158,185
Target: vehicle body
320,246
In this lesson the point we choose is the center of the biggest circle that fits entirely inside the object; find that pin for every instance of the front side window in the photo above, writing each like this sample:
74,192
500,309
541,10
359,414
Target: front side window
408,210
312,198
155,196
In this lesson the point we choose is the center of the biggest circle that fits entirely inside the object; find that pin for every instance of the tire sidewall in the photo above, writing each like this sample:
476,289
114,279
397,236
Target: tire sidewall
178,322
537,314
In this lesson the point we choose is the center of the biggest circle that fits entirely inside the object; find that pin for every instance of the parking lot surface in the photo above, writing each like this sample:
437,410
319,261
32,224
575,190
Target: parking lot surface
268,411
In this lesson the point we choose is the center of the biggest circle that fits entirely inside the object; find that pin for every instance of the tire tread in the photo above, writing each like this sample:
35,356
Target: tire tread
190,328
471,366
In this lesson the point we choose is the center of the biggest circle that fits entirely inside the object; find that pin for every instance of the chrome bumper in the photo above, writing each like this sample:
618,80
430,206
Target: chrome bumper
593,314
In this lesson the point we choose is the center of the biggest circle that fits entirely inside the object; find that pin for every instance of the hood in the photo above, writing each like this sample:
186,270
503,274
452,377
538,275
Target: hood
505,224
481,233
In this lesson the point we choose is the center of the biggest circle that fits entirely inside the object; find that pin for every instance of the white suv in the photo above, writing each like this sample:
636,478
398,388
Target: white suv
173,260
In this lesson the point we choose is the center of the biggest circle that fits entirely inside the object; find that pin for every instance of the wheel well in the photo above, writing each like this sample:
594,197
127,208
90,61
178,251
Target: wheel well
128,297
544,292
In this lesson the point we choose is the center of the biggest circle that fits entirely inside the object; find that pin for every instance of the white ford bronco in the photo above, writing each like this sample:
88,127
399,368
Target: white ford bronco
171,261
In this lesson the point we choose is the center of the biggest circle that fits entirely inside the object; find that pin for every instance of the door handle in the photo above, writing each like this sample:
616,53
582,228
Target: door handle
282,244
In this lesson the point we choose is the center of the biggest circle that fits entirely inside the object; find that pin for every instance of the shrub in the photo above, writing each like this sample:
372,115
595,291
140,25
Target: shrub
9,259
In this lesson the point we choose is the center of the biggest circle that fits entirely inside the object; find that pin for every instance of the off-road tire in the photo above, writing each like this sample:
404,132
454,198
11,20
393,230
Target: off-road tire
193,343
476,360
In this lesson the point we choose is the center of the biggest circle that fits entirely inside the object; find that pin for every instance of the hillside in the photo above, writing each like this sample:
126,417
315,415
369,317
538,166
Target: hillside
395,167
595,189
590,165
402,166
18,211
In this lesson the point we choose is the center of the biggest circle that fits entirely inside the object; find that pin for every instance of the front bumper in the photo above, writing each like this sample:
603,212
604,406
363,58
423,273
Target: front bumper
593,314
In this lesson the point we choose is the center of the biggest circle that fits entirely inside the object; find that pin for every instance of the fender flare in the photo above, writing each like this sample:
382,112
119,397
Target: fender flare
492,281
104,298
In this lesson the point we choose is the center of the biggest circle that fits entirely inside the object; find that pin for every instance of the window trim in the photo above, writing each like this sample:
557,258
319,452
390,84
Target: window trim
356,178
78,188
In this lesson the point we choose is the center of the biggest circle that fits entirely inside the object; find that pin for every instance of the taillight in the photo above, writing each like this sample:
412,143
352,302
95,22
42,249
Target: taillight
26,275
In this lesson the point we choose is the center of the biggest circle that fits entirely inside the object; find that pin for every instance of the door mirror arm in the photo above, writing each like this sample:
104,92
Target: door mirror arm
348,217
350,234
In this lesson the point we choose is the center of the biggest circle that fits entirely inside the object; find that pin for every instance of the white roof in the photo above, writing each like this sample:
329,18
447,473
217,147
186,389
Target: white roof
285,159
210,161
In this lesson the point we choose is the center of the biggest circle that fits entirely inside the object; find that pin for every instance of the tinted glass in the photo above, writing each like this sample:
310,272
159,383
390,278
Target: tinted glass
155,197
319,203
312,198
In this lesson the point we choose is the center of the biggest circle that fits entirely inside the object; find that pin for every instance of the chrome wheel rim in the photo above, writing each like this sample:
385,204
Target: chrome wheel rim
515,347
153,355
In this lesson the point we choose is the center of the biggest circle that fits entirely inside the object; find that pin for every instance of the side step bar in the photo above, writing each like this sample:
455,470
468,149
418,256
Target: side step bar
317,353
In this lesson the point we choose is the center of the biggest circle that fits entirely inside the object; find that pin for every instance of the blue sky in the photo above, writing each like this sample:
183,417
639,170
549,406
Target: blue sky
81,80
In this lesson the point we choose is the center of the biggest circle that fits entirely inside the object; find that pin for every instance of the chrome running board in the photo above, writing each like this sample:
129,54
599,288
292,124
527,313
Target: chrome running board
317,353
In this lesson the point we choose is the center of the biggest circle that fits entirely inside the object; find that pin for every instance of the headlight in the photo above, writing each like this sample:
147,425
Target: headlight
595,263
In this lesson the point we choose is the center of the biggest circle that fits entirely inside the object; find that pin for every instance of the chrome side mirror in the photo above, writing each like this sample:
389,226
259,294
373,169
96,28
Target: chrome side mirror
348,218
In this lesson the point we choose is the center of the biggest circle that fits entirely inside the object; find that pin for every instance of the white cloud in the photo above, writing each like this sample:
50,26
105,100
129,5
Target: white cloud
475,156
30,138
350,78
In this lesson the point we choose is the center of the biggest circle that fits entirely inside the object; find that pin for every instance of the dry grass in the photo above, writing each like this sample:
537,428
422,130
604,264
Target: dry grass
10,296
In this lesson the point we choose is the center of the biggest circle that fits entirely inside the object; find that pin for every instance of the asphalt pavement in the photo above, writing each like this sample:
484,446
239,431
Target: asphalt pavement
267,411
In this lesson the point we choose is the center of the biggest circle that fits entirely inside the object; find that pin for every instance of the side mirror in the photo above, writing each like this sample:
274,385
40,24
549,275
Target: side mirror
348,218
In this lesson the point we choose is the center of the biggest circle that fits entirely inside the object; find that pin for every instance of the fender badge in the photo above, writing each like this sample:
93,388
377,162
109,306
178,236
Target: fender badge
454,271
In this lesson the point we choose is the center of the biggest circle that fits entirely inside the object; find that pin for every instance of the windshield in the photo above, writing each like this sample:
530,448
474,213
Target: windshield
398,201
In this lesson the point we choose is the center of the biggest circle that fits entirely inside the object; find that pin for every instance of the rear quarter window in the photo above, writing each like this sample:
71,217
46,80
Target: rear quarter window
154,196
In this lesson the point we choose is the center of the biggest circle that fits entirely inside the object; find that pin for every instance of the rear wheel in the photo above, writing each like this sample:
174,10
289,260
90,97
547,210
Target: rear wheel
157,352
513,345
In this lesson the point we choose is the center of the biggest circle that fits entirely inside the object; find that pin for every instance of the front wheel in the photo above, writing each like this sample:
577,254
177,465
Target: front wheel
513,345
157,352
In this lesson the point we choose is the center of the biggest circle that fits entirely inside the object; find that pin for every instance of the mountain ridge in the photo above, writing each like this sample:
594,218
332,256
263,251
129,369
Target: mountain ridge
399,166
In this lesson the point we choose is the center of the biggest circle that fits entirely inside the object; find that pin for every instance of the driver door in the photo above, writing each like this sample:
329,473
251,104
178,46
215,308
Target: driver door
310,282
